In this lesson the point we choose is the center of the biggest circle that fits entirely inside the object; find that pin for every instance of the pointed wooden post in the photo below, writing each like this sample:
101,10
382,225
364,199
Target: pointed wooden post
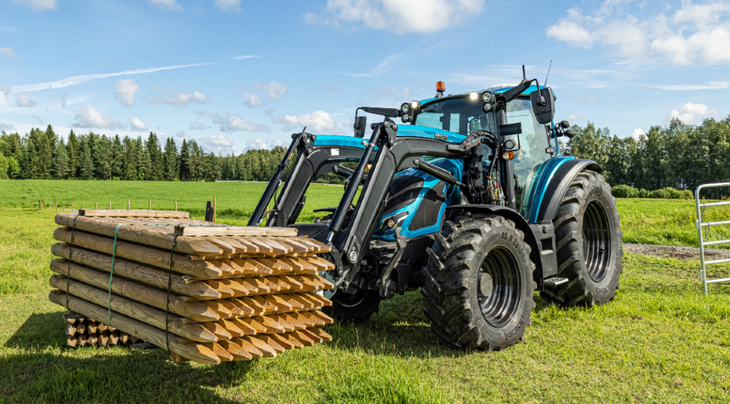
110,204
129,204
150,205
175,206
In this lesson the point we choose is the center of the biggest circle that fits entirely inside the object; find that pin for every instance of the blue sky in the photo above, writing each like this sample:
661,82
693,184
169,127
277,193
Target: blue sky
238,74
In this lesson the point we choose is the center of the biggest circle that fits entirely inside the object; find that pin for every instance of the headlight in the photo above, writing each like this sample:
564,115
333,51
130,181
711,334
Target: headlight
415,105
473,96
487,107
405,118
487,96
405,108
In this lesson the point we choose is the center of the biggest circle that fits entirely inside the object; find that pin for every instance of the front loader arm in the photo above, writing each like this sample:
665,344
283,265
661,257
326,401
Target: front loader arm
393,155
315,157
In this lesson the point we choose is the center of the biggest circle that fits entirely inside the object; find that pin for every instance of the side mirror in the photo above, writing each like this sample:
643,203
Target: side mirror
361,123
543,104
510,134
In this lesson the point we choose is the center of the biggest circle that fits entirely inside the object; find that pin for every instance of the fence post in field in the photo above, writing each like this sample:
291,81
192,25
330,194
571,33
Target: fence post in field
96,205
129,204
214,210
110,204
150,205
175,206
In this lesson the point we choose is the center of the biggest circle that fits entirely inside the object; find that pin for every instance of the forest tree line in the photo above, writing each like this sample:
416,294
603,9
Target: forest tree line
42,154
678,156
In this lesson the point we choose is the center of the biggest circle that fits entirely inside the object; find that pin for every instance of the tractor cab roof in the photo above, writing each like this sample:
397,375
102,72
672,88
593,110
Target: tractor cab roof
495,89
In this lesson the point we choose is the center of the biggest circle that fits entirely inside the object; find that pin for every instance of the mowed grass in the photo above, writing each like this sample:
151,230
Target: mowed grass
649,221
235,201
670,222
661,340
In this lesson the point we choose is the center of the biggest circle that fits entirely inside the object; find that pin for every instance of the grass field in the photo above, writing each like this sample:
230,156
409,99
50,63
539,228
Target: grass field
650,221
660,341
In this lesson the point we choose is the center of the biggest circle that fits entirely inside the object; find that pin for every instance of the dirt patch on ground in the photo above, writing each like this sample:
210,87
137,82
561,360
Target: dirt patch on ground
682,253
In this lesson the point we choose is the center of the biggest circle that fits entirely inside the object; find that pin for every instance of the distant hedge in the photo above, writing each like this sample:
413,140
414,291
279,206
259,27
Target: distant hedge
626,191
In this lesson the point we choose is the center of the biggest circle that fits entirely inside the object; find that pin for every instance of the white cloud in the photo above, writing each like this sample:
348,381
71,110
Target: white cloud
234,123
317,121
575,117
22,100
252,100
181,99
243,57
272,89
195,125
6,127
5,91
637,133
136,125
229,6
90,117
587,99
7,52
691,114
126,88
38,5
167,4
76,80
713,85
694,34
219,144
258,144
400,16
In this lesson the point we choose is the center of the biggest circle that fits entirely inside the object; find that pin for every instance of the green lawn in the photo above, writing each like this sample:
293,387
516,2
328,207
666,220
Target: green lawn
669,222
661,340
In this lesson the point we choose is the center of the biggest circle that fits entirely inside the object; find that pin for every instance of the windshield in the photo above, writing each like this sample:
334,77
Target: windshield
460,115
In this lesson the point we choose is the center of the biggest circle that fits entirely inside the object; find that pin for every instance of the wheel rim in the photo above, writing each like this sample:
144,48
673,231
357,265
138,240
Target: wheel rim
350,300
499,286
596,241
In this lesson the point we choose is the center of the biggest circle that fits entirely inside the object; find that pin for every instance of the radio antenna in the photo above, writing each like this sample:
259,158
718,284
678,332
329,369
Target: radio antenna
548,74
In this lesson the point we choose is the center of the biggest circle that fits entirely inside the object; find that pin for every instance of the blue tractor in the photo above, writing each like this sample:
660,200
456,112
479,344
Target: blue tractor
470,200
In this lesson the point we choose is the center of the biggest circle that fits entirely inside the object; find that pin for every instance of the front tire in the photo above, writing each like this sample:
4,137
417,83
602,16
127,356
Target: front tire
357,307
479,283
589,248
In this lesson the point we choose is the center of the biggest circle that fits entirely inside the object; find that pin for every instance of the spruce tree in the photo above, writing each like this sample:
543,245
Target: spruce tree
130,159
143,161
184,161
86,164
117,157
152,146
72,150
60,161
103,158
170,159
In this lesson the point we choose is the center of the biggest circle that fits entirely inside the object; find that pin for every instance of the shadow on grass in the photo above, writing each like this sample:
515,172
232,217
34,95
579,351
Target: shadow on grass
402,329
38,372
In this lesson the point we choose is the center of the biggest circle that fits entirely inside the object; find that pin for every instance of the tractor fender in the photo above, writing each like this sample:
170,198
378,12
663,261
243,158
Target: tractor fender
551,191
520,223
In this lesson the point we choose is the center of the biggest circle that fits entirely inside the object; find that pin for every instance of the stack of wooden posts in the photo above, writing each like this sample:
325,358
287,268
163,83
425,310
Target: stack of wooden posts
82,331
204,292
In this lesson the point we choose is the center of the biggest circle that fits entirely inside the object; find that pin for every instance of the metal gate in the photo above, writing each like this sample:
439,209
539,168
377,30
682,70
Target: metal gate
701,225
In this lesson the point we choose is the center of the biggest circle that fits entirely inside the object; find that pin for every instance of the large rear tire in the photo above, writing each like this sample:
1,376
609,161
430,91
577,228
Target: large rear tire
589,248
479,283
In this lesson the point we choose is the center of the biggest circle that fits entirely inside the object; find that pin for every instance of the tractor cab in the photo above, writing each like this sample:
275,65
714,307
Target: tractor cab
528,147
